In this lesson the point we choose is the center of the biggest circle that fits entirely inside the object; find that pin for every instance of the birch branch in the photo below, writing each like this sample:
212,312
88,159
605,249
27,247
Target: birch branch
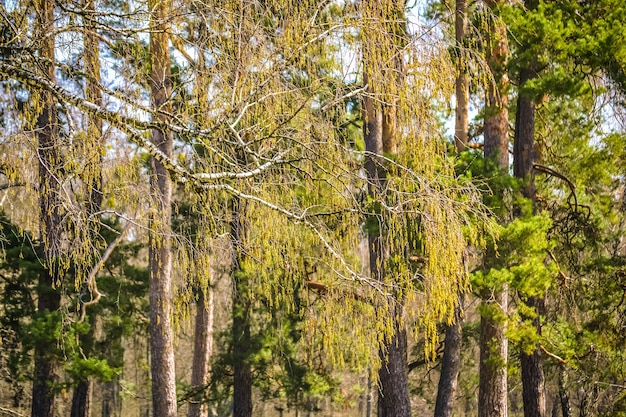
91,279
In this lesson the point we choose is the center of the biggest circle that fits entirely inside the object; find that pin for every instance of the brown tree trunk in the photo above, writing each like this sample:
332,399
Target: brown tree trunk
380,130
524,144
450,367
50,217
202,350
242,381
533,381
451,361
566,409
393,399
461,125
81,399
492,390
160,257
111,399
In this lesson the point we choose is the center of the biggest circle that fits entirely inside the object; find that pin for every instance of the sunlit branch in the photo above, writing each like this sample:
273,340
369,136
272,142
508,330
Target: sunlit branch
300,219
132,127
90,282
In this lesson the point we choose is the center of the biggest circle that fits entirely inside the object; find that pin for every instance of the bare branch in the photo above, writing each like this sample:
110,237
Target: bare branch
550,171
11,412
552,355
91,279
11,185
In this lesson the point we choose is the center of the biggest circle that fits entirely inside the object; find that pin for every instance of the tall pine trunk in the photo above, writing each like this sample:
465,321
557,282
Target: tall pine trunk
202,350
451,360
393,399
383,64
81,399
492,390
49,154
242,380
450,367
533,381
160,257
461,124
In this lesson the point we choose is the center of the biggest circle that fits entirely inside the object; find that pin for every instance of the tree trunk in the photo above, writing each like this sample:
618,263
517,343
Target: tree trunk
450,366
50,217
160,257
81,400
202,350
533,390
380,129
524,144
461,125
451,361
242,382
45,364
111,399
393,398
492,390
563,395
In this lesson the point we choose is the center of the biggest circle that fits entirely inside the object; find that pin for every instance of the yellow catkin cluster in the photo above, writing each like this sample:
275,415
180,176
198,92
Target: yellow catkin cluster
259,83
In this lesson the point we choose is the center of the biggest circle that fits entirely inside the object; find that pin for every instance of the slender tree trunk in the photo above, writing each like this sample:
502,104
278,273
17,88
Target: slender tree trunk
566,409
533,381
524,154
451,361
450,367
202,350
461,125
492,391
393,397
110,399
160,257
242,382
81,400
50,217
380,131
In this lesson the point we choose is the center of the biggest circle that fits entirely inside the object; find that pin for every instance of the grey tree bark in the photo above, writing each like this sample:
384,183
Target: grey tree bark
380,129
160,258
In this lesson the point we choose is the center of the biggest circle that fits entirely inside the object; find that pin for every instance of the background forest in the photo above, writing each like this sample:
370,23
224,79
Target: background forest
312,207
